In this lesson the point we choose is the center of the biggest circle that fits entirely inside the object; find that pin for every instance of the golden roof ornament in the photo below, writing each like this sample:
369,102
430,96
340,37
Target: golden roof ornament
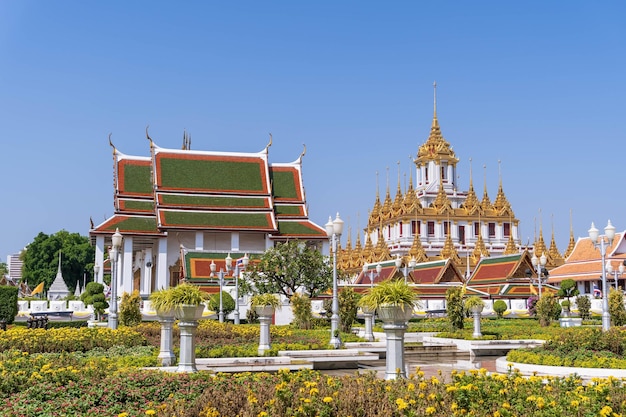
501,205
449,251
436,147
385,212
381,251
485,203
480,250
417,250
368,250
572,242
411,205
553,252
511,247
374,215
442,203
471,205
396,207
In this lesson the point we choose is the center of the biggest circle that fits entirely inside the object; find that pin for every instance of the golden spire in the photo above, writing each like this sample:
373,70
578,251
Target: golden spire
396,207
449,251
435,147
381,251
480,250
374,216
368,250
540,245
501,205
417,250
385,212
471,203
511,247
442,203
553,252
572,242
486,203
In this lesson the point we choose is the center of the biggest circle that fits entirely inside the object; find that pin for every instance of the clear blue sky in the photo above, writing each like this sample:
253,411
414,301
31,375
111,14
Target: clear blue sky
539,85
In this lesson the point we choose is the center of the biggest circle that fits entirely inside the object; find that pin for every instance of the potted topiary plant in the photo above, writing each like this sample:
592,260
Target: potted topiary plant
186,300
264,304
474,304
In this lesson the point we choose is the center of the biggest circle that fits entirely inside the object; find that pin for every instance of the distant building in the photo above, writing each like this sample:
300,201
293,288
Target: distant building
15,267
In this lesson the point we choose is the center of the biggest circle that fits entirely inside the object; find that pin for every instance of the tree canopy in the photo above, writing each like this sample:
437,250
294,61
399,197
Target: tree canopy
289,267
4,269
41,259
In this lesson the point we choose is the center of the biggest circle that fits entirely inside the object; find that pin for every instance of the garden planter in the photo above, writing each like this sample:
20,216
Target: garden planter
166,352
395,318
369,323
476,312
265,314
188,316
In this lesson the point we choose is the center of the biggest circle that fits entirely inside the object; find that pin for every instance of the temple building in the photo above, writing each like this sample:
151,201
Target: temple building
434,220
177,204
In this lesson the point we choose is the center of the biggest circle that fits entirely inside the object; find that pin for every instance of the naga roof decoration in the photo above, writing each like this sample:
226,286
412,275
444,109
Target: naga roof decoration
208,190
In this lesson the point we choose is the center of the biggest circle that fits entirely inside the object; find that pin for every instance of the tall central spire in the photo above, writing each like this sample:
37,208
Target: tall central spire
435,99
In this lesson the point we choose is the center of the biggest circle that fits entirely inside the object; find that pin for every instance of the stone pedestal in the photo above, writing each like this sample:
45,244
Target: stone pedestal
476,313
188,316
166,352
395,319
265,314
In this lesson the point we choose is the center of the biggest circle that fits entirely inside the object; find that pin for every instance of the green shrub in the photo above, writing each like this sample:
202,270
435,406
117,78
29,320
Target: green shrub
8,303
584,307
616,307
130,309
228,303
454,307
499,306
302,314
348,301
548,309
94,296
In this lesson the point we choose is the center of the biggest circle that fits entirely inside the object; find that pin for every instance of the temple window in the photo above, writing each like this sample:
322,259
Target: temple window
476,229
400,228
492,230
446,228
426,174
431,228
415,227
507,229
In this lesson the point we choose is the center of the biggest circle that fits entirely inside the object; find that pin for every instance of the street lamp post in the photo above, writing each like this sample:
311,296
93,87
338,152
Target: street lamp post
221,278
229,264
609,234
616,273
115,252
539,264
369,314
334,228
407,267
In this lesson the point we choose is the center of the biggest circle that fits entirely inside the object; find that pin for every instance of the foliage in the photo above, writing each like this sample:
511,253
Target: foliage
532,305
473,301
616,307
4,269
286,268
499,306
568,289
130,309
259,300
8,303
454,307
172,298
394,292
584,307
94,296
228,303
302,314
578,347
41,259
348,305
565,305
548,309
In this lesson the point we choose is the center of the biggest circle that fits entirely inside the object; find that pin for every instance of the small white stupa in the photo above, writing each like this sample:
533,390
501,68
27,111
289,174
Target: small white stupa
58,290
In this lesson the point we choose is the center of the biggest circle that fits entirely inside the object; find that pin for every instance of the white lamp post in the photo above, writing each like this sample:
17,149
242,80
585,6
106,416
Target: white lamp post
369,314
221,278
609,234
617,273
115,252
407,267
539,264
96,271
334,228
237,271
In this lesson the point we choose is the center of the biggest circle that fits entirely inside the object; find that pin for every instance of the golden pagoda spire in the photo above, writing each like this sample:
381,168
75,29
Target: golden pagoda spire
471,203
417,250
572,242
385,212
374,215
435,147
449,251
553,252
442,202
381,251
346,254
501,205
511,247
368,250
485,203
396,207
410,204
480,250
540,245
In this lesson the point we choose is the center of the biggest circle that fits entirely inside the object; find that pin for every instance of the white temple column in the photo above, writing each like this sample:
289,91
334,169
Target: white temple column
146,275
199,240
126,277
99,260
162,275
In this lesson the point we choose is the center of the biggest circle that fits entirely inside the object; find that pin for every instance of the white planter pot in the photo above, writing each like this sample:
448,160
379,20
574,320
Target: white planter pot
264,311
189,312
390,313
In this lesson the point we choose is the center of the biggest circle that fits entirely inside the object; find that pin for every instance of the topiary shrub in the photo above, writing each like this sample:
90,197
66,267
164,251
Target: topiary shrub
454,307
8,303
228,303
130,309
499,306
616,307
584,307
94,296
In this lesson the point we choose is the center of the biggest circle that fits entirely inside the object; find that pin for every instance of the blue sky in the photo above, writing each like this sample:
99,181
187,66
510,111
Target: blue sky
537,85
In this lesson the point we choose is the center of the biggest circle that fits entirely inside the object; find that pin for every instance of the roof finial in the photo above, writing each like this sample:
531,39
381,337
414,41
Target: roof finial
270,143
485,176
500,172
111,143
148,136
435,98
470,179
303,151
377,187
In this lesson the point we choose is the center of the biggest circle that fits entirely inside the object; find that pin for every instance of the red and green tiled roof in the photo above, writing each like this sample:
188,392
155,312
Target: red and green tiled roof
213,201
132,205
300,228
127,224
498,269
286,183
290,210
133,177
188,219
209,173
